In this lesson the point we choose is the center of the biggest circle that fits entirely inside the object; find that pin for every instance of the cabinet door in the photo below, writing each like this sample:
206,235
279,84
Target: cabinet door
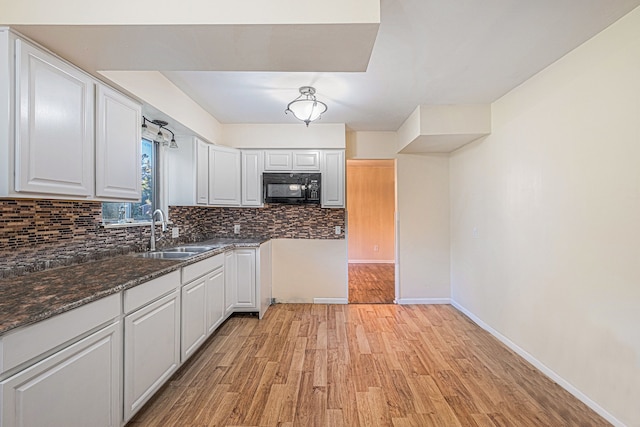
215,299
118,136
224,176
246,278
151,350
77,386
252,178
230,281
332,185
278,160
54,133
194,317
202,172
264,277
306,160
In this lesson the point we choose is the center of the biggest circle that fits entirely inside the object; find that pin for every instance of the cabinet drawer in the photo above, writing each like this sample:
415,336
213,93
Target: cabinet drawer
29,342
193,271
149,291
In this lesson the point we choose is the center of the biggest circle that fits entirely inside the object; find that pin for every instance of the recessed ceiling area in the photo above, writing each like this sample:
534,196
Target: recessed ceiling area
424,52
428,52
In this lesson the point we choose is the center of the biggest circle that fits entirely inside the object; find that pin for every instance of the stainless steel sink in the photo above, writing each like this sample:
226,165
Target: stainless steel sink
167,255
198,249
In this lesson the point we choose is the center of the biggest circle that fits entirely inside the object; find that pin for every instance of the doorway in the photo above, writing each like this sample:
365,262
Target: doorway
371,238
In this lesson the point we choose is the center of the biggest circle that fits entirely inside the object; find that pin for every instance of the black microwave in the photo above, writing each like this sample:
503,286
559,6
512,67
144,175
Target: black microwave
291,188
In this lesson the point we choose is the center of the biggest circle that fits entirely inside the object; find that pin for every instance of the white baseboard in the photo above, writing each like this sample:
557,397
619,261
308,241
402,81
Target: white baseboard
405,301
542,367
330,301
371,261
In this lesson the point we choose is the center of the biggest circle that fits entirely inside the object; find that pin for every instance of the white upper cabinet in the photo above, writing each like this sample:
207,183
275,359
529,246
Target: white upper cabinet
6,113
224,176
278,160
306,160
54,139
252,161
118,136
188,173
332,186
202,172
291,160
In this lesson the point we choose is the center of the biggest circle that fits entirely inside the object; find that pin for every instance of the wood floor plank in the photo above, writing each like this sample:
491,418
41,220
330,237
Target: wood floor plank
360,365
371,283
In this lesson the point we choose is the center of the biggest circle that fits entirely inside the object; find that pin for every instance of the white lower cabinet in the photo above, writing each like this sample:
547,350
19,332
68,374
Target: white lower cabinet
76,386
215,299
248,279
230,281
202,302
245,279
64,371
194,317
151,349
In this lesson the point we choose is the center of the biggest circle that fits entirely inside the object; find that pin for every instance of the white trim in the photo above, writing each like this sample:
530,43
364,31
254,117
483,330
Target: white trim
405,301
541,367
330,301
371,261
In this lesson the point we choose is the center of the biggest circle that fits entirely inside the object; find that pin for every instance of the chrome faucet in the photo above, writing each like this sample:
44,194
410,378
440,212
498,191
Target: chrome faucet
152,242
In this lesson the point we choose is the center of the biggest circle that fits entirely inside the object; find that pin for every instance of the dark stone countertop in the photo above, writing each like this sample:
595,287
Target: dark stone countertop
38,296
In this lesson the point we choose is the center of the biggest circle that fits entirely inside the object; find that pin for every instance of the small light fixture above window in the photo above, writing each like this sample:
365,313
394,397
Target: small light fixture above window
306,107
159,137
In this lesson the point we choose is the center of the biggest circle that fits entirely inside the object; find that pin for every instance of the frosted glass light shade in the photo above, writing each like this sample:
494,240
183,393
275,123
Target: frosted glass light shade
306,107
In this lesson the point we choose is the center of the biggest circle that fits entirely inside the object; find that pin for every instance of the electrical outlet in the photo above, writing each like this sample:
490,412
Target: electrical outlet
475,233
375,248
236,229
175,232
338,229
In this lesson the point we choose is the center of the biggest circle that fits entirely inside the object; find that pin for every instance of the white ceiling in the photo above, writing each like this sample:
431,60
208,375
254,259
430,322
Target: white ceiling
427,52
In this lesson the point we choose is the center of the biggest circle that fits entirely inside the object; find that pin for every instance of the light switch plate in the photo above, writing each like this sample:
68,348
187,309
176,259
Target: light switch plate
236,228
175,232
338,229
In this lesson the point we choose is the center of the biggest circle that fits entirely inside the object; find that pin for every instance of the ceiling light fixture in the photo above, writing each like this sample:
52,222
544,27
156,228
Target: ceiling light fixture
159,137
306,107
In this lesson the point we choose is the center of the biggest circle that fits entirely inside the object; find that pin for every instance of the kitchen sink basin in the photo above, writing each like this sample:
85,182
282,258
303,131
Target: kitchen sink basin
179,252
167,255
197,249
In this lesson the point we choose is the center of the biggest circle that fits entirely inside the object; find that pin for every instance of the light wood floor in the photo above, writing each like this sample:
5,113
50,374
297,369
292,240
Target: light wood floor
371,283
360,365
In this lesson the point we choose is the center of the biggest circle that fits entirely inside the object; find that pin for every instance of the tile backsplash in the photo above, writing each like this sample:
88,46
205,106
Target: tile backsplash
40,234
275,221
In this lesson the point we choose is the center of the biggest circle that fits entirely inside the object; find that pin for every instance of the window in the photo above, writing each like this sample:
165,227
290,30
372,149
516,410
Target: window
129,212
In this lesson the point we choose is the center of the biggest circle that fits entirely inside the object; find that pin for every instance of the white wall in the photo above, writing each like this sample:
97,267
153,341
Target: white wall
371,145
423,228
295,135
304,270
554,197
